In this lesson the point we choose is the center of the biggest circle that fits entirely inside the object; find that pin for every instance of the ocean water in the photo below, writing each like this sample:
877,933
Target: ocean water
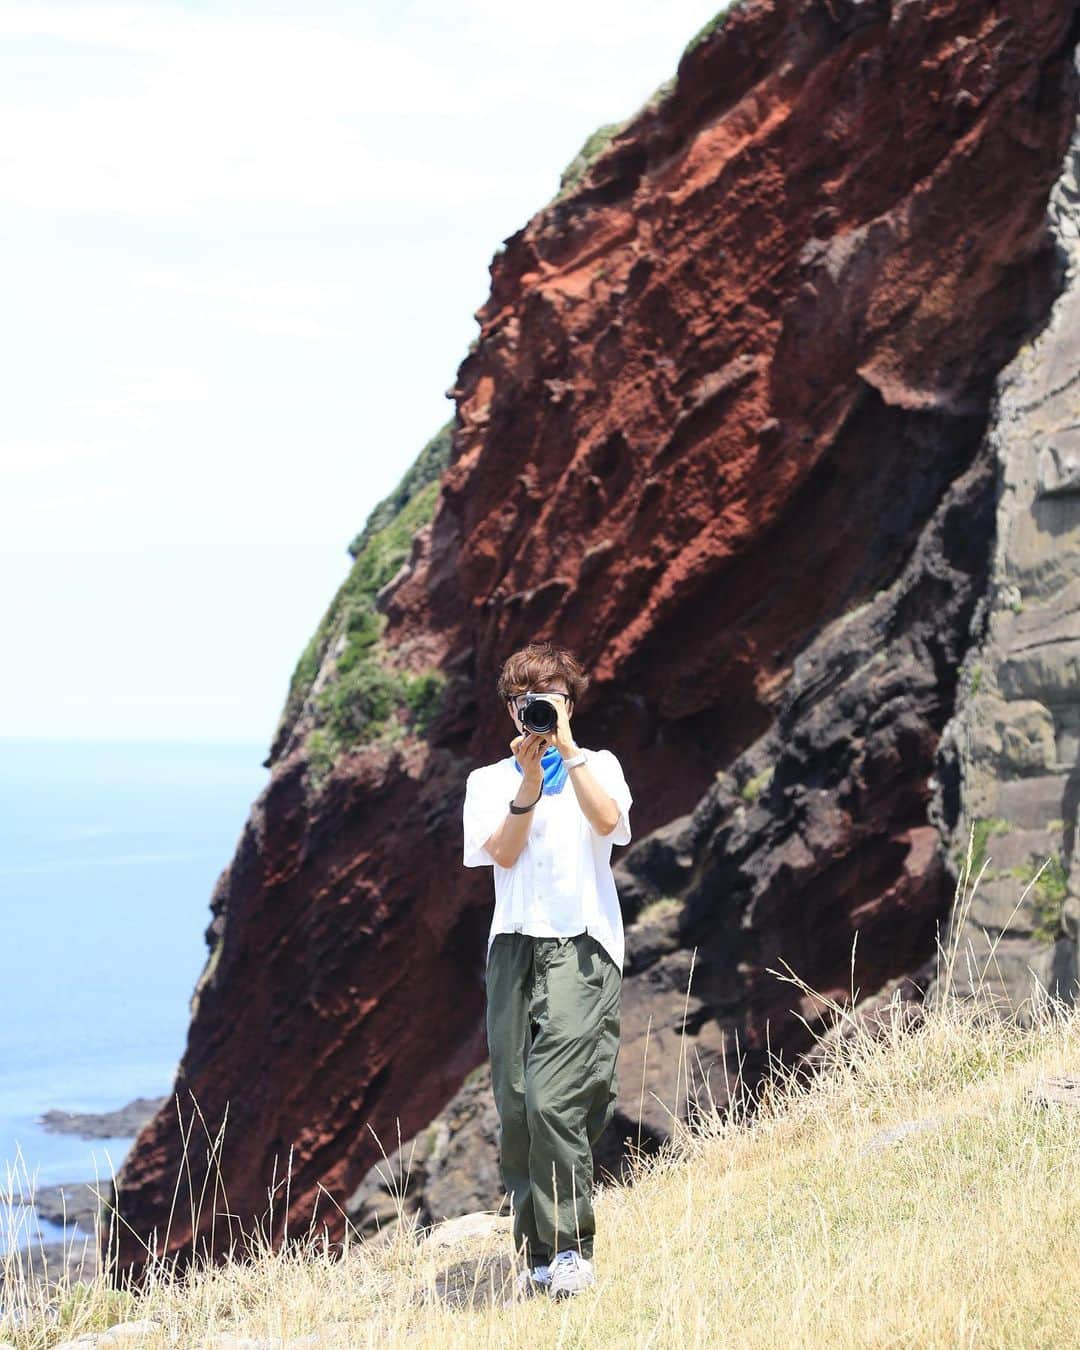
108,856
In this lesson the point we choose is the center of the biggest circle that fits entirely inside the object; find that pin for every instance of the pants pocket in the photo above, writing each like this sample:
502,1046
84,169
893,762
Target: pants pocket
604,969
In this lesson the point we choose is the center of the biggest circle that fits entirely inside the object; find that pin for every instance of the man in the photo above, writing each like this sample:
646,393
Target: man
545,818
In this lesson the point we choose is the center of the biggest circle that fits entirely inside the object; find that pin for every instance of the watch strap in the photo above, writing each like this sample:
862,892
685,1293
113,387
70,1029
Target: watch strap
520,810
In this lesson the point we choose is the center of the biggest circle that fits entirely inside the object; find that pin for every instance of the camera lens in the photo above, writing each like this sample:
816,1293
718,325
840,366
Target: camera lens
540,714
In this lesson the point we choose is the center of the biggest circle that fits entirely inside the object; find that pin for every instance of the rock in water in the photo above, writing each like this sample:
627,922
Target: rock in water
126,1120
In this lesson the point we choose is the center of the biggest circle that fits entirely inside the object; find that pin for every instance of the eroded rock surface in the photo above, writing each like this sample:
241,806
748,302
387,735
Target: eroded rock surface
1012,751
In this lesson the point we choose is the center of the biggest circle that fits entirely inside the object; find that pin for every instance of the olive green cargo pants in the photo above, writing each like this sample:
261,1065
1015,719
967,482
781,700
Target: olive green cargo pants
553,1036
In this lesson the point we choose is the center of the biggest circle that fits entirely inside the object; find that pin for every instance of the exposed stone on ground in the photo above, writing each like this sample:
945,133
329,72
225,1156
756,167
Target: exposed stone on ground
223,1341
893,1134
472,1282
467,1227
1062,1090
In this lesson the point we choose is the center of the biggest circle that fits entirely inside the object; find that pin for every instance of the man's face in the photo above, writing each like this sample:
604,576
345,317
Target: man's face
554,687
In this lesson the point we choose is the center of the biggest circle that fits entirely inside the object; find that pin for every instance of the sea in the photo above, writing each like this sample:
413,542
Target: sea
109,852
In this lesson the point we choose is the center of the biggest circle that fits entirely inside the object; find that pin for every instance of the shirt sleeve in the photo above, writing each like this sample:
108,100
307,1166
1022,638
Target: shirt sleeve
482,813
609,774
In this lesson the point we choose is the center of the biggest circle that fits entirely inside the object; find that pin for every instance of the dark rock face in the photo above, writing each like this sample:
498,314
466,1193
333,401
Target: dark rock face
723,434
450,1168
812,851
1012,749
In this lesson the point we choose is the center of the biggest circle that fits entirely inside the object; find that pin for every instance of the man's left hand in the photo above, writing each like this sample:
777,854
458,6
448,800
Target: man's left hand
563,736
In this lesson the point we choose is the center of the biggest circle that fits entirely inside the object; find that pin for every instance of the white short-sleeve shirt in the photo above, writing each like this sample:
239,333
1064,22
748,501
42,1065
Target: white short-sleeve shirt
561,883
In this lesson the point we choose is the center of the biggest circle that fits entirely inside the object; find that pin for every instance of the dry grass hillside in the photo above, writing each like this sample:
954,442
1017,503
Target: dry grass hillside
920,1188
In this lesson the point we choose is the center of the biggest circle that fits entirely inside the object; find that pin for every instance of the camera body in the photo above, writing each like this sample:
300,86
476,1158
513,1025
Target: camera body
539,714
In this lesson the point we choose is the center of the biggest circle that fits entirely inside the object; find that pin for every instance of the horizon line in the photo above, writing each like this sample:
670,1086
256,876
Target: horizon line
120,740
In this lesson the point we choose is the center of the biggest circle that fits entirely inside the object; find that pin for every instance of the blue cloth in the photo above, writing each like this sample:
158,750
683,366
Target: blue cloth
555,771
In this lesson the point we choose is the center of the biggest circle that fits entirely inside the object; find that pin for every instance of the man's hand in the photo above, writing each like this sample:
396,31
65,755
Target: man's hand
563,736
527,750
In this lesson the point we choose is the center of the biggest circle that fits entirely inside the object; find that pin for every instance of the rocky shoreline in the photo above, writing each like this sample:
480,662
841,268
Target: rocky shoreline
122,1123
75,1205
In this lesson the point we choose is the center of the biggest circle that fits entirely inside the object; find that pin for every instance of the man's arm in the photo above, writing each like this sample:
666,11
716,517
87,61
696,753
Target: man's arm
506,843
503,845
600,807
608,770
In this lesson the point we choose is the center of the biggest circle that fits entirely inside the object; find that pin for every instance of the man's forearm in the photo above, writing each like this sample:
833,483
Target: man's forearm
512,834
600,808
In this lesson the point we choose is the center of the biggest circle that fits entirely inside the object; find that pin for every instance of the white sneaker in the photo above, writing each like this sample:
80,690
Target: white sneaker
570,1274
529,1282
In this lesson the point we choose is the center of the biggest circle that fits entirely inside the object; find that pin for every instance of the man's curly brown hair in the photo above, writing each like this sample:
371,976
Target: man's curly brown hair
538,664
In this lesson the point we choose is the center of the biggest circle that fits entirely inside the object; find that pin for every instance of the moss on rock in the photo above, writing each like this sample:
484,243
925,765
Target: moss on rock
984,827
752,789
659,908
1049,894
598,141
595,144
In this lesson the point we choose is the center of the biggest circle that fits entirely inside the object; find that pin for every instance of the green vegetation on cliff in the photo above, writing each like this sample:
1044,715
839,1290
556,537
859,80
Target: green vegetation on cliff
362,696
752,789
426,469
593,147
981,830
598,141
1050,892
707,29
660,908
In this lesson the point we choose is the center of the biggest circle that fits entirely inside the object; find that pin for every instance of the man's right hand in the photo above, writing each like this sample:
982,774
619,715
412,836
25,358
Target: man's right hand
528,750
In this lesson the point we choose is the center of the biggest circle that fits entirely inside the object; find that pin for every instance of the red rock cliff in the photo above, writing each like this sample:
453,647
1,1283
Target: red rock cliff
721,434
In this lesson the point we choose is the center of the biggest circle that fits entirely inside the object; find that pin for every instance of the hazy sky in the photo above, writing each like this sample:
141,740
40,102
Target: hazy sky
242,247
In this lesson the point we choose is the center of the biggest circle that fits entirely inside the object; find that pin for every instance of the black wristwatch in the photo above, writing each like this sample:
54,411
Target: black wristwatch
521,810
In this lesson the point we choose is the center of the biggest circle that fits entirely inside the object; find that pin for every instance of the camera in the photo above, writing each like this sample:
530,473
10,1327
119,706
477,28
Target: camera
539,714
